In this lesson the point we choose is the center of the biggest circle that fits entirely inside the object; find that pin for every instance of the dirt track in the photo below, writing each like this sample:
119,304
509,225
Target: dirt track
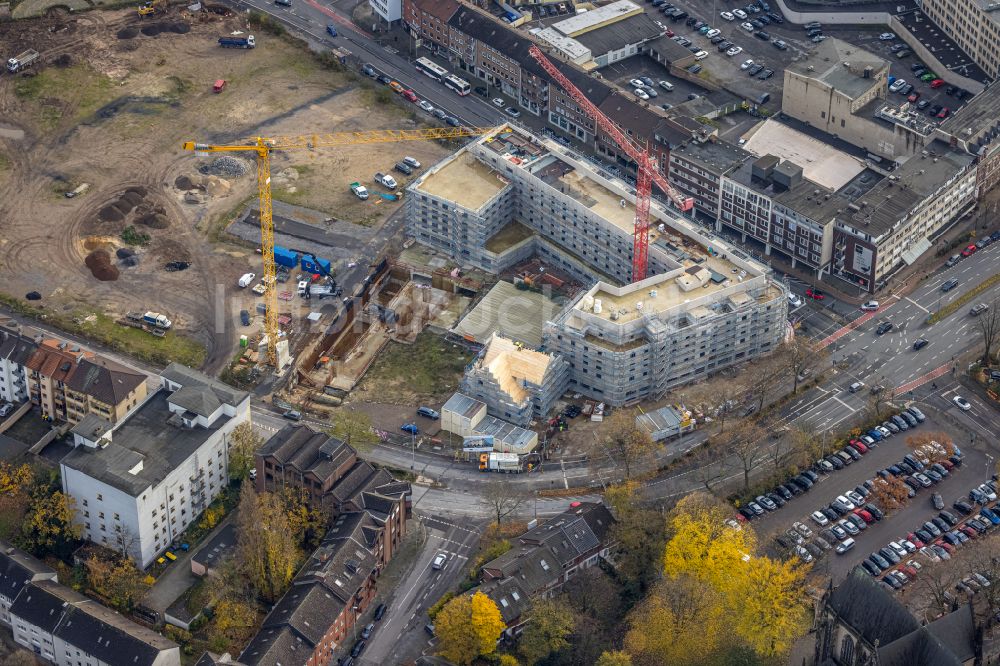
114,112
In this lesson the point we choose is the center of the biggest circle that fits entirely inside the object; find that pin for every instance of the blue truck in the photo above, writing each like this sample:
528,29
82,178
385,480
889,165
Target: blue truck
237,42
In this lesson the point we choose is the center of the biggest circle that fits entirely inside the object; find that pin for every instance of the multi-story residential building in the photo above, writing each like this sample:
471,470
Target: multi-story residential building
623,344
67,383
769,201
317,614
517,384
696,168
894,223
17,569
389,11
15,350
544,558
67,629
139,483
974,25
332,476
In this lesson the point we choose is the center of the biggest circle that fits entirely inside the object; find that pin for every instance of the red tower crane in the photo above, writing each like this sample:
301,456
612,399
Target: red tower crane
647,171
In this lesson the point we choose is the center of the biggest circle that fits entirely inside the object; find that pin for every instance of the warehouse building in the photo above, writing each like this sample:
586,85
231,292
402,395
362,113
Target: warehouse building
706,305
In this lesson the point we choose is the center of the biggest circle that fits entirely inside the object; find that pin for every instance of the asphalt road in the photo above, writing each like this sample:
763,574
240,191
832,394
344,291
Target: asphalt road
400,637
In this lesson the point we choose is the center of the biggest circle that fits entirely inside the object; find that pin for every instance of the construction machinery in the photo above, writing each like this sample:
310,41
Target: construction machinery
264,146
152,7
647,170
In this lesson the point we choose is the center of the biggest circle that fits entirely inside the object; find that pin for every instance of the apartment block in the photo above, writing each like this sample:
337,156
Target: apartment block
139,483
15,350
706,306
696,168
517,384
66,628
67,383
332,476
974,25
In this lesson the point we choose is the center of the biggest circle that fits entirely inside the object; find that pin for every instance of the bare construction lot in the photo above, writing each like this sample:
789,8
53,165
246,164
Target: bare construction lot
110,105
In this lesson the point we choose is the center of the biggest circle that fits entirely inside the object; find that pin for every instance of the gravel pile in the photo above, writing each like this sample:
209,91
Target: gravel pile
226,166
124,252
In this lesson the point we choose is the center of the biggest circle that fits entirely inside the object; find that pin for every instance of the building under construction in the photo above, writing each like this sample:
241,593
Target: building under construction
705,306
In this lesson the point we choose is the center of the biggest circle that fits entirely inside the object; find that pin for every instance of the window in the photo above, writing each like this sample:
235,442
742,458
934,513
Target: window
100,497
117,517
847,651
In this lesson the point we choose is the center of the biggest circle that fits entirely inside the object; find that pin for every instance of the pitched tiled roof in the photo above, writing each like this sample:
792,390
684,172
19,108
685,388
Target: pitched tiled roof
510,598
15,347
51,361
440,9
870,610
104,380
306,450
17,569
919,648
185,376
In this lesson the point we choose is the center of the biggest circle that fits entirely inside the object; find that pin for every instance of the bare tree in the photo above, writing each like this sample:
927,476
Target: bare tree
710,468
801,357
988,324
890,493
716,397
746,444
937,446
808,446
124,541
880,396
502,498
626,441
935,584
764,379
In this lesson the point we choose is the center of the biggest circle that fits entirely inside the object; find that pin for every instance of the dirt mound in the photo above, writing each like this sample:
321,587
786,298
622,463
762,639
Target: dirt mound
110,214
128,32
33,296
133,198
180,28
65,60
130,261
99,263
124,252
184,183
154,221
137,189
151,30
123,206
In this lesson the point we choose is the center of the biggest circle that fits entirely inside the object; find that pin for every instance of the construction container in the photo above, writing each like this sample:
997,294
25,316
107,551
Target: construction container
316,265
285,257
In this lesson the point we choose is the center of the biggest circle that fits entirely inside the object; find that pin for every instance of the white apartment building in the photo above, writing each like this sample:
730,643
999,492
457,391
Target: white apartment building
389,10
137,485
15,349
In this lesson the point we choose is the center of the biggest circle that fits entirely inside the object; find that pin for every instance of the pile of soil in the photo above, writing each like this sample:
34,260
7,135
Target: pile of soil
134,198
184,183
99,263
124,252
65,60
128,32
33,296
137,189
154,220
110,214
153,29
123,206
130,261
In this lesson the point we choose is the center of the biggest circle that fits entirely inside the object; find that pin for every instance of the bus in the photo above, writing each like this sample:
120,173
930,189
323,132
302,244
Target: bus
431,69
461,86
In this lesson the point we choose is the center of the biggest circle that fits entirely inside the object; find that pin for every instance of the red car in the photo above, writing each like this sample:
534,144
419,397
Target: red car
817,294
909,571
947,546
915,540
913,98
969,251
865,516
971,533
943,113
670,33
937,83
859,445
410,95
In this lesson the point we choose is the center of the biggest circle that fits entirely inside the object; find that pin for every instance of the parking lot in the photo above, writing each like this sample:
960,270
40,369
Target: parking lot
974,471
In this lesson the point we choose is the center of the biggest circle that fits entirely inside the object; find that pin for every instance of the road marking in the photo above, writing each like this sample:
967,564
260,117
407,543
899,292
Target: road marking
918,305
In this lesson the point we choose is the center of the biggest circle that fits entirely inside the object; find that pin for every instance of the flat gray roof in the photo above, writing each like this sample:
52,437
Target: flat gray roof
151,435
716,156
507,437
632,30
840,65
463,405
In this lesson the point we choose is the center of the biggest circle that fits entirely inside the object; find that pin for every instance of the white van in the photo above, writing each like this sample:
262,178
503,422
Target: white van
246,280
794,300
667,85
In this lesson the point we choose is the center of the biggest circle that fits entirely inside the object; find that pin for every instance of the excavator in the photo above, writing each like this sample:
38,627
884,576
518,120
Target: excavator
152,7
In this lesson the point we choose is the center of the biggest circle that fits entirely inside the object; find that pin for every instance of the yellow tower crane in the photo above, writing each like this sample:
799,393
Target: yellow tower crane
263,147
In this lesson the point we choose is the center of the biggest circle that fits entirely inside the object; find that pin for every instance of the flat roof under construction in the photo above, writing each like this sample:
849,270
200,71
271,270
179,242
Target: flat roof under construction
514,314
464,180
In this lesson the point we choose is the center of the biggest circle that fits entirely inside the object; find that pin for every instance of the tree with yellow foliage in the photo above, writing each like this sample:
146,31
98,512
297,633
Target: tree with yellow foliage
614,658
549,623
509,660
243,444
468,626
234,622
15,478
772,614
117,579
718,593
266,551
48,525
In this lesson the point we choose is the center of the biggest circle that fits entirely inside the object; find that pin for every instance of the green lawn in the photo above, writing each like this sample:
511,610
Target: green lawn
78,89
430,368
